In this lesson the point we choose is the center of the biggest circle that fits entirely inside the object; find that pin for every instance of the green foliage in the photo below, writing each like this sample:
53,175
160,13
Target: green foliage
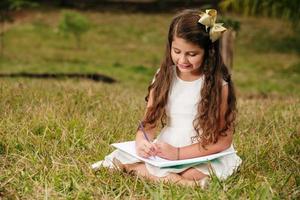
75,24
287,9
230,23
17,4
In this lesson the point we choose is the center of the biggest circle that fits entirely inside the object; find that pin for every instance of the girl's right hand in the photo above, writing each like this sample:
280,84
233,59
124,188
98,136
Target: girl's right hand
145,149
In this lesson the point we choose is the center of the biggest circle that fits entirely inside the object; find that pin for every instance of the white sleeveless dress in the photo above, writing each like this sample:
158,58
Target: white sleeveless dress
181,110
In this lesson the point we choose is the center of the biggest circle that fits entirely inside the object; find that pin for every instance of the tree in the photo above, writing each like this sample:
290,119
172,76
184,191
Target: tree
285,9
75,24
228,39
6,7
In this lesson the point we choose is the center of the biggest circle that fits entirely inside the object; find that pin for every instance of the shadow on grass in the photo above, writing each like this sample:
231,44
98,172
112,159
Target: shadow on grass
91,76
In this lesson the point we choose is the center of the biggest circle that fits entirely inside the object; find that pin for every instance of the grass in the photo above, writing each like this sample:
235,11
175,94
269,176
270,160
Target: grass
51,131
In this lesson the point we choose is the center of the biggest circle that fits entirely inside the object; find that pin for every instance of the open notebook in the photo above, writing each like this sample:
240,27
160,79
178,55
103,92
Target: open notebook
129,147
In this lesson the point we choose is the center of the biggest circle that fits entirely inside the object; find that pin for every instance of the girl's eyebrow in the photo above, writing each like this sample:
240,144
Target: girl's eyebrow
187,51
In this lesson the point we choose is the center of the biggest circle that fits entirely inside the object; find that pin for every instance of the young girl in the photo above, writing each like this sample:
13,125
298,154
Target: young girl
192,96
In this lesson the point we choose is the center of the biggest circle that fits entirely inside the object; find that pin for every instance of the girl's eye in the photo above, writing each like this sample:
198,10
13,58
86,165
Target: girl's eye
192,54
177,52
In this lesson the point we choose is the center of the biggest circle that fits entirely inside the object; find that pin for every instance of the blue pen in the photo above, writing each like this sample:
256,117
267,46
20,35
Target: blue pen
145,135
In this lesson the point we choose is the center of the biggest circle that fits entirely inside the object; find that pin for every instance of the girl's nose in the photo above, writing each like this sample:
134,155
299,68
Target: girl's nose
183,59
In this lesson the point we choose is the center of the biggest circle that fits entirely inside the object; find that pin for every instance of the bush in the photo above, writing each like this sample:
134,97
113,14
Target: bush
75,24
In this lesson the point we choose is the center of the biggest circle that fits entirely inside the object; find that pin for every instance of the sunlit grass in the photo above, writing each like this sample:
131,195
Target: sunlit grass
53,130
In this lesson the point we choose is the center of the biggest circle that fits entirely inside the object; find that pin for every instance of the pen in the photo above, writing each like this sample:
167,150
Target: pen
145,135
142,129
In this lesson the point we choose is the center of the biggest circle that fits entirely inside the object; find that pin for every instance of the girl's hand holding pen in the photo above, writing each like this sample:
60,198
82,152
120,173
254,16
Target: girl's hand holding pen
145,149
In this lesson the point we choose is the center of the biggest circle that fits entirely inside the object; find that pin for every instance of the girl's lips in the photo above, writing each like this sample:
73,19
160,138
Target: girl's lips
184,66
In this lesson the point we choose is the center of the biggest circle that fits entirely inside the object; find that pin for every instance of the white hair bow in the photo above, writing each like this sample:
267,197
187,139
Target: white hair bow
208,18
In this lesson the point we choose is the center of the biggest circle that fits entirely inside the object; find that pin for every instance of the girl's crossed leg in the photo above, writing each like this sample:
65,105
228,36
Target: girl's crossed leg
189,177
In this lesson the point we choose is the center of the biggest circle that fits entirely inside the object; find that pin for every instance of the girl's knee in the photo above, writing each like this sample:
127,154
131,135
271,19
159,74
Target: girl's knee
193,174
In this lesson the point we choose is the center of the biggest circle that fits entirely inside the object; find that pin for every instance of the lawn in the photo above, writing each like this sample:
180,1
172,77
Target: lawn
51,131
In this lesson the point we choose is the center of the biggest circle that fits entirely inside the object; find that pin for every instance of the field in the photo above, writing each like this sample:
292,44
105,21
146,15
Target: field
51,131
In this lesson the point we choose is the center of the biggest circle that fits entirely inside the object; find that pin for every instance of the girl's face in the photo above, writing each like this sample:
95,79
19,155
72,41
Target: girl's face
188,57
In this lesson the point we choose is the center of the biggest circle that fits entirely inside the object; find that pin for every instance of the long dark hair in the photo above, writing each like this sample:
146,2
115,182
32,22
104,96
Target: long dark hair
207,121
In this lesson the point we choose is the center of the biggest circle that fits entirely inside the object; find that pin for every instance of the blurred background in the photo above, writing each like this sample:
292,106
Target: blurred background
125,40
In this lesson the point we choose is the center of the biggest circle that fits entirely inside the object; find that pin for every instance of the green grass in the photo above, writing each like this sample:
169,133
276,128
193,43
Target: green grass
51,131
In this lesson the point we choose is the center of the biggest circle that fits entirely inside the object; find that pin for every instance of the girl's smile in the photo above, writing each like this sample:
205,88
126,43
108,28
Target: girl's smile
188,58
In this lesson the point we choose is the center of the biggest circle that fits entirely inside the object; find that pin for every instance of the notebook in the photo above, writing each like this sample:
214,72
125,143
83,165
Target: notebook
129,148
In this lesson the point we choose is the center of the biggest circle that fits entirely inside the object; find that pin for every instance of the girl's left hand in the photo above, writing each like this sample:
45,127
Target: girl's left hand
166,151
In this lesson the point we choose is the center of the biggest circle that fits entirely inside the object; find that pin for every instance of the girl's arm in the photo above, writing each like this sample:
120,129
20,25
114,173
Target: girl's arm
149,130
195,150
145,148
167,151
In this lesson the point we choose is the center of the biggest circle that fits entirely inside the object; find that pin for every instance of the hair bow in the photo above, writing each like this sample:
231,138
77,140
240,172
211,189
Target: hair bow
208,18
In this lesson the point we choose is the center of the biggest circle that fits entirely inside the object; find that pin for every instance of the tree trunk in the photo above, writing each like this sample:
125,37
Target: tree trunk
227,47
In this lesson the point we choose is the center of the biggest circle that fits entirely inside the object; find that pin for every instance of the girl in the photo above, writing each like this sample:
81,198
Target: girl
192,95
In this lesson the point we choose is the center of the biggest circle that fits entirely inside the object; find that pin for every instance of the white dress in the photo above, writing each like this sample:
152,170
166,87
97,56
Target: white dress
181,110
